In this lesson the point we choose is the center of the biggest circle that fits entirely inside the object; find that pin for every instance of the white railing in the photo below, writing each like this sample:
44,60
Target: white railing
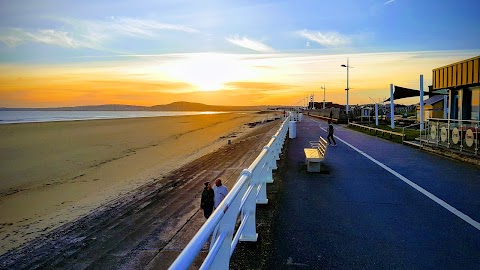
462,135
248,191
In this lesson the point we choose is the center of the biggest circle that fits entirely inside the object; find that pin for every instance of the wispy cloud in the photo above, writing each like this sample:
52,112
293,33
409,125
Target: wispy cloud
327,39
89,34
249,44
389,2
13,37
129,26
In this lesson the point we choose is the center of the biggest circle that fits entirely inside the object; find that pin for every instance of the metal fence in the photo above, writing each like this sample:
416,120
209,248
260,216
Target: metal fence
461,135
248,191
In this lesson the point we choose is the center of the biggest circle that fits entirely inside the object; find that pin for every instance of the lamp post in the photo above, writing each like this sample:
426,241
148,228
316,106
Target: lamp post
347,66
313,100
324,88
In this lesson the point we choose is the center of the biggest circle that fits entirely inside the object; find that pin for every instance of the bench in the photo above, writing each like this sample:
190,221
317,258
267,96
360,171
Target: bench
315,155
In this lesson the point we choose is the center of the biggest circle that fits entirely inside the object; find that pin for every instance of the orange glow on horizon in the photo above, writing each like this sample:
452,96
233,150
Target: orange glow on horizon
216,79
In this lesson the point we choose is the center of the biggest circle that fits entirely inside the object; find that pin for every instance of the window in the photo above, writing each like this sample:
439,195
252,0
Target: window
475,103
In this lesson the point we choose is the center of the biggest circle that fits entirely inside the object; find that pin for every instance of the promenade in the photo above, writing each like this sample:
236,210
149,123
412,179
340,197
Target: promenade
375,205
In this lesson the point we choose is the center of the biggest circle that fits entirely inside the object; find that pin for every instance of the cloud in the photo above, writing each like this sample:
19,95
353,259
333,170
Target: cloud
131,27
89,34
13,37
389,2
258,86
249,44
327,39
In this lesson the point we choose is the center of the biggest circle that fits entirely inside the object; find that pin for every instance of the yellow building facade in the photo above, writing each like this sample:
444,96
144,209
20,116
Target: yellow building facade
461,80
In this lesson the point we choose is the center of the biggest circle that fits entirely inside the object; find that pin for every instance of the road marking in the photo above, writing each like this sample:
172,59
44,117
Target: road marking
434,198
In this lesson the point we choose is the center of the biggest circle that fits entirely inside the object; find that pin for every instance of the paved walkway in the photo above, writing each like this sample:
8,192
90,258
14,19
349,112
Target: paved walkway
376,205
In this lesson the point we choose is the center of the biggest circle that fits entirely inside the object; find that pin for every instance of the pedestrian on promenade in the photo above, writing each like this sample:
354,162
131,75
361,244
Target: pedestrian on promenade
208,197
330,133
221,192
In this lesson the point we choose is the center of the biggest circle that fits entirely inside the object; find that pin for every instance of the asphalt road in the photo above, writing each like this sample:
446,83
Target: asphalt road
385,206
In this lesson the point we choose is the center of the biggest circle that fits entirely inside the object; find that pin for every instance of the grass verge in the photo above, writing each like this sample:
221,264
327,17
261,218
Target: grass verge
410,134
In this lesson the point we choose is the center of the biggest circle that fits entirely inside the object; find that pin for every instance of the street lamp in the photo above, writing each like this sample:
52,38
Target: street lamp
324,88
312,99
347,66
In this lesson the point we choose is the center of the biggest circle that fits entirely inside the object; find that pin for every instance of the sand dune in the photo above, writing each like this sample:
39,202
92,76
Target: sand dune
53,173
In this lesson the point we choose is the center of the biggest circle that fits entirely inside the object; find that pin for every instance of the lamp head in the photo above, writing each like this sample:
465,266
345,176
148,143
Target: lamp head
344,66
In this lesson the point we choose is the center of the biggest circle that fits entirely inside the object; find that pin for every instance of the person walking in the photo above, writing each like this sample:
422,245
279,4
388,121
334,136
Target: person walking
208,197
221,192
330,134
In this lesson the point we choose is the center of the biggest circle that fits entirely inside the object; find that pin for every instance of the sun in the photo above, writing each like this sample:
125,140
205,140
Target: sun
210,71
206,75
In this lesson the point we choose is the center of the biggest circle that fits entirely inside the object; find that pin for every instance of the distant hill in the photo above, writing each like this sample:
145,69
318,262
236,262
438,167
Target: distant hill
106,107
176,106
191,106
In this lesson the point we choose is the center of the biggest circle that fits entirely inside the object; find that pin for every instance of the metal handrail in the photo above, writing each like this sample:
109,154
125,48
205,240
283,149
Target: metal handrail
249,190
402,135
412,125
455,134
454,120
409,126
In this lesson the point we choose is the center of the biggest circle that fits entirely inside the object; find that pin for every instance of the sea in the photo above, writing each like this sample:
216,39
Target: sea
11,117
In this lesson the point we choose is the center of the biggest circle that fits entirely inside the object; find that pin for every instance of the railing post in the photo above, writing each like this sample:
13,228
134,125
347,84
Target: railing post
277,147
269,163
222,258
225,229
461,135
249,232
264,175
476,139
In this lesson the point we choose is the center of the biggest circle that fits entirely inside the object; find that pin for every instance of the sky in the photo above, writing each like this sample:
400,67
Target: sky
67,53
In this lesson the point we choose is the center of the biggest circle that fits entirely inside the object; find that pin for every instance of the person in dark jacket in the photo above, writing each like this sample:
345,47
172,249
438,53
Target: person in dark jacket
330,133
207,200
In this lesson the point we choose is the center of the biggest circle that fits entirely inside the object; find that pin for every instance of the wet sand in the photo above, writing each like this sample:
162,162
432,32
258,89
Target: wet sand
53,173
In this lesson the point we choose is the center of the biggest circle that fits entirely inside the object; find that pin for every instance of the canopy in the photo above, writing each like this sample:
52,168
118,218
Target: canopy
402,92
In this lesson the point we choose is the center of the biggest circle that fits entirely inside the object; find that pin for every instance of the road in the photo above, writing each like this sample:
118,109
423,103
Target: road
375,205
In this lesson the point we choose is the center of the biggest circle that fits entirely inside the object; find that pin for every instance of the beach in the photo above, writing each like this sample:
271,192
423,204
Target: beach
56,172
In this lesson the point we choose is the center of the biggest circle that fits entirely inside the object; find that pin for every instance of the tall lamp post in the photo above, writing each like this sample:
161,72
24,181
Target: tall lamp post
346,89
312,98
324,88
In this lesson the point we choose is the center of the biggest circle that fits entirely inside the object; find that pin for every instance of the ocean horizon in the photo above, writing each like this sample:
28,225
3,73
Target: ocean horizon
13,117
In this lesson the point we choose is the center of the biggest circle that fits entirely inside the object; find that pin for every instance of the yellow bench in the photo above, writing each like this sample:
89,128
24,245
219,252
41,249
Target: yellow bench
315,155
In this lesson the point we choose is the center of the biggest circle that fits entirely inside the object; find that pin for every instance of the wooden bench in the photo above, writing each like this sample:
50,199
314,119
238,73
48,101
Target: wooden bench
315,155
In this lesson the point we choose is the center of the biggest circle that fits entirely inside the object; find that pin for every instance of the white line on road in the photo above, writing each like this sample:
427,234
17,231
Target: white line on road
434,198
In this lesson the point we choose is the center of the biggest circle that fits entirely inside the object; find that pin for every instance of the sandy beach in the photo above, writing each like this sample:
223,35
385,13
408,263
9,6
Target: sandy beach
53,173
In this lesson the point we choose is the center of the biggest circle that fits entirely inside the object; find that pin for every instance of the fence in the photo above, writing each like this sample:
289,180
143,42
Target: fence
377,130
461,135
248,191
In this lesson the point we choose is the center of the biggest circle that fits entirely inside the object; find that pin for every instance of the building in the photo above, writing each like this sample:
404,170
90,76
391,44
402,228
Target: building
460,131
432,108
461,82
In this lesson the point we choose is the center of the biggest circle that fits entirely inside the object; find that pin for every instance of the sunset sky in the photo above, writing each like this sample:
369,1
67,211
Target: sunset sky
67,53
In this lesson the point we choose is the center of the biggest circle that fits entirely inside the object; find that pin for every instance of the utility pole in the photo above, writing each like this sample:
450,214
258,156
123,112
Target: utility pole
313,100
324,89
